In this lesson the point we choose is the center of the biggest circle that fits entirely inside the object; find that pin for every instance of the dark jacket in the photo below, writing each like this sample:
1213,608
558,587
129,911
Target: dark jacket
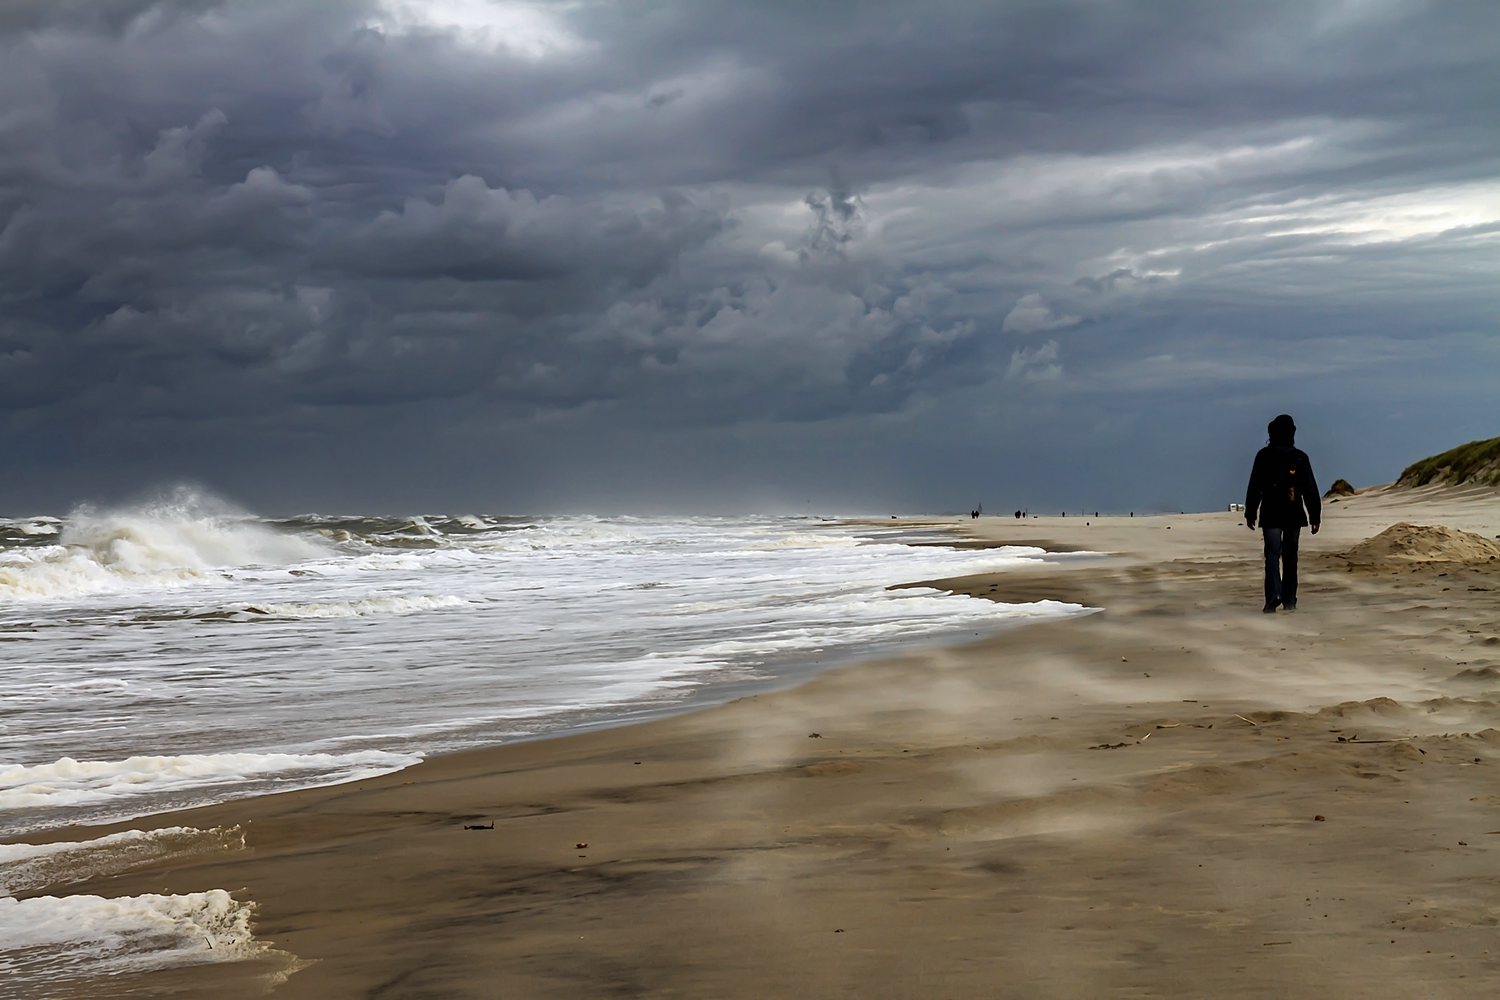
1281,486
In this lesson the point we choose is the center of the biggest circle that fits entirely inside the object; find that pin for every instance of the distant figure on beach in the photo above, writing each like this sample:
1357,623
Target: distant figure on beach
1282,490
1018,515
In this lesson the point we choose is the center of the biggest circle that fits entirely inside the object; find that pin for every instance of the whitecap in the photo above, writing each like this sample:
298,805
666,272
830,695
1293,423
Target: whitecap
357,608
29,867
184,539
47,940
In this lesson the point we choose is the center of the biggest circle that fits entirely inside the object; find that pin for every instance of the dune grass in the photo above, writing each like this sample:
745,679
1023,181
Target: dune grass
1475,462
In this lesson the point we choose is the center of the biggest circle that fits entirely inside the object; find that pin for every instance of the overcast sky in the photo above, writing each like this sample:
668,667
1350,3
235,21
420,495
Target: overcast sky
456,255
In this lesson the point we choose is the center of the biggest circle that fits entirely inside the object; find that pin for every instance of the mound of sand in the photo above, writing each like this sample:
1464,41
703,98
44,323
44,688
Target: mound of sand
1340,488
1408,543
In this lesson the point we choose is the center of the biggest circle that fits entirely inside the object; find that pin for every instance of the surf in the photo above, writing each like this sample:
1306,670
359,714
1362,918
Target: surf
184,538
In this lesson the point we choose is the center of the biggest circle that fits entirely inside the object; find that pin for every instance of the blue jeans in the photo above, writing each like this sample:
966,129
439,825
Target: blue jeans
1281,565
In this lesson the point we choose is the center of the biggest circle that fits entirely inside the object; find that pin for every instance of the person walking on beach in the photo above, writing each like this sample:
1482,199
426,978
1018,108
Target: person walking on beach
1283,491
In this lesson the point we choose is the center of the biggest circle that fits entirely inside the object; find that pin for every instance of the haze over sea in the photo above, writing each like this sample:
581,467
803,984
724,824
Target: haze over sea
184,652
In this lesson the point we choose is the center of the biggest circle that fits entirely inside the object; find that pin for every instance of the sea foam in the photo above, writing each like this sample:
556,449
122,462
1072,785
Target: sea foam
29,867
183,539
47,940
357,608
68,782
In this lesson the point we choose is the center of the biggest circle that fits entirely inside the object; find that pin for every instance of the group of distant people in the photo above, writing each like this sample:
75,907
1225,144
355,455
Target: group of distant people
1022,513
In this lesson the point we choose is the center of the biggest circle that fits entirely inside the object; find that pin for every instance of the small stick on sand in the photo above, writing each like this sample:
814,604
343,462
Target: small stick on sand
1251,721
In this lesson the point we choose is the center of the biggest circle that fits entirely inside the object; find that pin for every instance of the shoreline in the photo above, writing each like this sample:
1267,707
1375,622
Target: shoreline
1023,815
252,762
775,675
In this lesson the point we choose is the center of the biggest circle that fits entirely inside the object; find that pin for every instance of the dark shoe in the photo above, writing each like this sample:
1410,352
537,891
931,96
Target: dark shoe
1270,607
1289,607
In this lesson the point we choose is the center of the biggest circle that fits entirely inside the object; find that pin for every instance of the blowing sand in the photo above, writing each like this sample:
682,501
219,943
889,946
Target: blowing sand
1177,796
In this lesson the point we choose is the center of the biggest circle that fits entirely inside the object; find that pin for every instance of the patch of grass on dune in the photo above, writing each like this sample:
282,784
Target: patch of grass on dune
1475,462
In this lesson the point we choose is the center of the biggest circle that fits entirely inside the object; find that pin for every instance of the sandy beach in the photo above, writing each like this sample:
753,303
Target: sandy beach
1175,796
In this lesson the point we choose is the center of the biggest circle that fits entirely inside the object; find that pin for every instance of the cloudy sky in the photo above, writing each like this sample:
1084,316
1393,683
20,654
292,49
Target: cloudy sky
700,256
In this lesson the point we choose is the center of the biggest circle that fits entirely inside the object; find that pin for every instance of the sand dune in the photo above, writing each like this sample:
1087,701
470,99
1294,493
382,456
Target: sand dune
1477,462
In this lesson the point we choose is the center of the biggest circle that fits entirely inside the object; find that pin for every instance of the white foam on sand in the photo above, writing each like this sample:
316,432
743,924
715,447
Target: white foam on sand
68,782
29,867
48,940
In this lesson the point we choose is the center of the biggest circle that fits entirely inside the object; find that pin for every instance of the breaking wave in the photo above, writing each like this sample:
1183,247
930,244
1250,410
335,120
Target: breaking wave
47,940
176,541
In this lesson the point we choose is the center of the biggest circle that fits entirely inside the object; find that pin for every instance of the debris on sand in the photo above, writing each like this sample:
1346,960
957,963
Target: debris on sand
1405,542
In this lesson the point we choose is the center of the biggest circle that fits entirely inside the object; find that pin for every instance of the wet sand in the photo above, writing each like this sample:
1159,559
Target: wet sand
1177,796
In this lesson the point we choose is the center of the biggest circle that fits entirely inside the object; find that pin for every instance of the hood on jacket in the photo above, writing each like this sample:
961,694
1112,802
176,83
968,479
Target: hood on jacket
1282,430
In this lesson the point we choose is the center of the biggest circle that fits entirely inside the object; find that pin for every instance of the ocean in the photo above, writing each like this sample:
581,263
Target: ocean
184,652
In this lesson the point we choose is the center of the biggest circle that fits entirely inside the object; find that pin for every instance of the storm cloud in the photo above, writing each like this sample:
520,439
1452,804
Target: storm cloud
502,255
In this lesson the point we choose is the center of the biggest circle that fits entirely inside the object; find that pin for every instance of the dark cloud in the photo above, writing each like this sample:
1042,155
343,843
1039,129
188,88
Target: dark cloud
332,252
